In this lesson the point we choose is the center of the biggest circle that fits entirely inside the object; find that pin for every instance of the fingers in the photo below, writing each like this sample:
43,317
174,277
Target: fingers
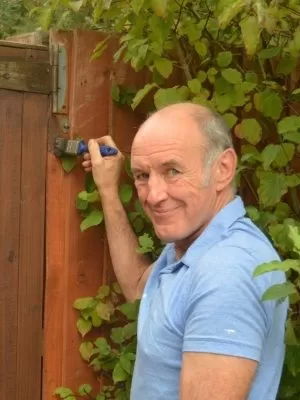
86,156
107,140
94,151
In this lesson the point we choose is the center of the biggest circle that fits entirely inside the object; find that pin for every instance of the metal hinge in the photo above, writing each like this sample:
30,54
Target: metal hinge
59,63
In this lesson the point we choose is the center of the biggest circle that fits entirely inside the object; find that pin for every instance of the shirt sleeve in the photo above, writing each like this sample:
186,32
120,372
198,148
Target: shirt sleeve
225,314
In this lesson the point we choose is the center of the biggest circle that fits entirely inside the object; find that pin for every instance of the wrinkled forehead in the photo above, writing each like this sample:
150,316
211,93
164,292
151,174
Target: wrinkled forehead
167,130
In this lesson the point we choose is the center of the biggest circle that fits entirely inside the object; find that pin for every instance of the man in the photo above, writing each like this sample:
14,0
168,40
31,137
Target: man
203,331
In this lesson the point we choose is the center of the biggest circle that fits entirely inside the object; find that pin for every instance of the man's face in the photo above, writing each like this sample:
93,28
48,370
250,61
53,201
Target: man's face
167,165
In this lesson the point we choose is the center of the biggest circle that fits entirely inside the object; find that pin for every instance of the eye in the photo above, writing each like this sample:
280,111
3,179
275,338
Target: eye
141,176
173,172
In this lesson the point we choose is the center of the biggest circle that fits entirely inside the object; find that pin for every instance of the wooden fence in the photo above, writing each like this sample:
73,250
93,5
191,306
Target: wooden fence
24,109
45,261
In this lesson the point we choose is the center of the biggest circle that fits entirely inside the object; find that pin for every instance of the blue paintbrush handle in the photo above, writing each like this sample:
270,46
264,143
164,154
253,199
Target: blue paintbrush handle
104,150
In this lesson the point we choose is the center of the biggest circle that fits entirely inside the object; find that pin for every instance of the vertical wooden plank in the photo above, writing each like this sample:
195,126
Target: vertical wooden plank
57,224
89,117
32,230
10,166
78,263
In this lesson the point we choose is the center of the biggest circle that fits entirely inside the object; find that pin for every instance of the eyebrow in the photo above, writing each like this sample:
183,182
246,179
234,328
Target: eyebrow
170,163
166,164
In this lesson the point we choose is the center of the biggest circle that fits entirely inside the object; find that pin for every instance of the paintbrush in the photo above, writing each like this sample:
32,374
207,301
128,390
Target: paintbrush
75,147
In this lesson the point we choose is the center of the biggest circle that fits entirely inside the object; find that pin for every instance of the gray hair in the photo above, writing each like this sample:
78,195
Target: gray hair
216,134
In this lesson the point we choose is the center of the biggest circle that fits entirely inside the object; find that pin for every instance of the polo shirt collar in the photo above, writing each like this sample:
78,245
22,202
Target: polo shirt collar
216,230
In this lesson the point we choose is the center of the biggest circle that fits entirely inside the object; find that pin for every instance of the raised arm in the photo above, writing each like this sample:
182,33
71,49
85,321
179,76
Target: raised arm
131,268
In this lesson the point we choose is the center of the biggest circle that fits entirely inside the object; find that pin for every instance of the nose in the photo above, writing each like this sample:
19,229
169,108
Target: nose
157,190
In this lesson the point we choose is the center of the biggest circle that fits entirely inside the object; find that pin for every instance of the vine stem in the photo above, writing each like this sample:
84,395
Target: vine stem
181,57
179,16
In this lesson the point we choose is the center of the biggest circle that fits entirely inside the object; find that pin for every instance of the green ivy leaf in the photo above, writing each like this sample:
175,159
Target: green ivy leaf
96,320
125,193
117,335
159,7
164,66
250,130
165,97
251,33
104,310
289,124
201,48
230,119
227,10
294,235
94,218
272,187
130,330
85,389
268,53
102,346
119,374
247,87
285,154
146,244
63,392
130,310
223,102
116,288
286,65
250,153
68,162
222,86
293,180
141,94
90,197
269,103
232,75
292,137
284,266
84,303
290,336
81,204
99,49
279,291
137,6
125,363
195,86
201,76
224,58
251,76
75,5
269,154
86,350
83,326
103,292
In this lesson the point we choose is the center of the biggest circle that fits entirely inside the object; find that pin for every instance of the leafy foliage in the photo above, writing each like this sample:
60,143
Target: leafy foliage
111,357
233,56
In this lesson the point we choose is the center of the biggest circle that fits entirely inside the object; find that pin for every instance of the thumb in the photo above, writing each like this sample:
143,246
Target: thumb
94,150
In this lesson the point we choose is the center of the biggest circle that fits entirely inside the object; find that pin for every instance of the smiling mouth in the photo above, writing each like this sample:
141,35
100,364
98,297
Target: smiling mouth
161,213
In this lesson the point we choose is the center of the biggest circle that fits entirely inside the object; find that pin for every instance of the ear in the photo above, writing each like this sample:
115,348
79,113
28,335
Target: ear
225,169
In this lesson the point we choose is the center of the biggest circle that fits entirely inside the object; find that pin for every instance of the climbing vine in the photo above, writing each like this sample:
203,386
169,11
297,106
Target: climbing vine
239,58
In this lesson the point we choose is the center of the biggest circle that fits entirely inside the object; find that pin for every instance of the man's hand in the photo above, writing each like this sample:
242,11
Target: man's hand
106,170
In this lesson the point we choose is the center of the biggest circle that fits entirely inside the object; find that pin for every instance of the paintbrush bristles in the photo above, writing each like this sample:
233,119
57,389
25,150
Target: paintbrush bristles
67,146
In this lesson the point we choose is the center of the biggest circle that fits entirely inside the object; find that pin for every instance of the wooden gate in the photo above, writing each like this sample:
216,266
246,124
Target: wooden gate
45,261
24,109
78,263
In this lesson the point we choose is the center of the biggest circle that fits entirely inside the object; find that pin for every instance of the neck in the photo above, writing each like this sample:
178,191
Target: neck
222,200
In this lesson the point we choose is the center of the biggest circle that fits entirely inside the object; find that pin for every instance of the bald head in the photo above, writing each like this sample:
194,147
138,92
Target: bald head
198,124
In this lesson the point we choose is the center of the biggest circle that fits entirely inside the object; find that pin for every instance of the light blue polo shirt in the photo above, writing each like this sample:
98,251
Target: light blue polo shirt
209,302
